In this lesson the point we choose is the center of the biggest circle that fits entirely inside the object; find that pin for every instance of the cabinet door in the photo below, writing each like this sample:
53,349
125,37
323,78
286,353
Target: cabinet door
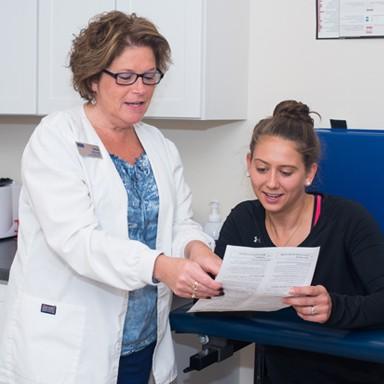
59,21
18,30
180,21
208,78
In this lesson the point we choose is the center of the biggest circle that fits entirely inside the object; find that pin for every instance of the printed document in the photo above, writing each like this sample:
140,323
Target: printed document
256,279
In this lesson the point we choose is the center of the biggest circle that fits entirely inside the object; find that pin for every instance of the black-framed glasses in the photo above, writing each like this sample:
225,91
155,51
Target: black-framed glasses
129,78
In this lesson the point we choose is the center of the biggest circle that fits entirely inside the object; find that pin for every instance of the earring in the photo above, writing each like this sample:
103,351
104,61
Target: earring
93,101
307,183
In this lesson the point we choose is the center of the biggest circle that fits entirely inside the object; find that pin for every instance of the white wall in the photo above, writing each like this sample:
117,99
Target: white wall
337,78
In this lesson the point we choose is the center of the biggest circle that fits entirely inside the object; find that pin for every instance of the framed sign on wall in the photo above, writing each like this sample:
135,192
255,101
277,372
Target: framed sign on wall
345,19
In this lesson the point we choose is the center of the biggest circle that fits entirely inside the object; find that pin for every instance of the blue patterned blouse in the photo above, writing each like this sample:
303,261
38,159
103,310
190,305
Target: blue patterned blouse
140,328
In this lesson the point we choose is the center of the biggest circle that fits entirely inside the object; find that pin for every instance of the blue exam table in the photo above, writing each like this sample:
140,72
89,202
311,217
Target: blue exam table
352,166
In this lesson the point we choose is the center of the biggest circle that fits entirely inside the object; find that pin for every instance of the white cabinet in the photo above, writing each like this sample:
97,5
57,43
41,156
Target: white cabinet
209,42
59,21
208,38
18,43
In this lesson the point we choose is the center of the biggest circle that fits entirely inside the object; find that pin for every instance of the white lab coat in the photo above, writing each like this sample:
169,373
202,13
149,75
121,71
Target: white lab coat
68,289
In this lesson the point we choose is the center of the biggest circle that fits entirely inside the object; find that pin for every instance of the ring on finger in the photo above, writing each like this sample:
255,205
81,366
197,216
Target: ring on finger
195,285
193,295
313,310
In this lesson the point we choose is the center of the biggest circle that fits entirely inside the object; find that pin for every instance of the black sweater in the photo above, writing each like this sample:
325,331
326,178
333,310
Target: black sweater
350,266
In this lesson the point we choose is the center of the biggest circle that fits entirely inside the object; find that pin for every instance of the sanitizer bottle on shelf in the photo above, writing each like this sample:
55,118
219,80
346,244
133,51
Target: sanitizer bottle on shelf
213,225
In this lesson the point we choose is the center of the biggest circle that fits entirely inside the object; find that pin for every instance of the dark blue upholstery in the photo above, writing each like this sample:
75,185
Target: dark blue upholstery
352,166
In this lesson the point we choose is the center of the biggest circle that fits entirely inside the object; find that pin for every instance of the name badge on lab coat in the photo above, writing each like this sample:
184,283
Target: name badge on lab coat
88,150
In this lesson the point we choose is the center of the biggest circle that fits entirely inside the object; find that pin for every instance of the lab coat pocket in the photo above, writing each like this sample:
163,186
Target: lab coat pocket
47,341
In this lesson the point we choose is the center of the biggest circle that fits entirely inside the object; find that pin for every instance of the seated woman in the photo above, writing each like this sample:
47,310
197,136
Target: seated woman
347,290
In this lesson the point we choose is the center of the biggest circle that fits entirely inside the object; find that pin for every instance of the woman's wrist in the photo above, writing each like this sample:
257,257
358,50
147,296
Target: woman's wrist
159,267
195,248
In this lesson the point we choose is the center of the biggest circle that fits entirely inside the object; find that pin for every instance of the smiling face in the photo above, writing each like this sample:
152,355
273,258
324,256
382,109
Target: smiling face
278,173
125,105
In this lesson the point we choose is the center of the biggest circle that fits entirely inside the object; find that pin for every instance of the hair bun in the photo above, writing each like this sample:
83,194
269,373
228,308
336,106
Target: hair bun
292,109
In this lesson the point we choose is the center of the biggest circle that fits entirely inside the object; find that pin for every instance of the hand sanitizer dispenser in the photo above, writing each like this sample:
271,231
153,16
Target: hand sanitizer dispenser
213,225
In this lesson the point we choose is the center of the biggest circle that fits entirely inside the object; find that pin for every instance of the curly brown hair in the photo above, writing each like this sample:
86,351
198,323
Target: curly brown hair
104,39
291,120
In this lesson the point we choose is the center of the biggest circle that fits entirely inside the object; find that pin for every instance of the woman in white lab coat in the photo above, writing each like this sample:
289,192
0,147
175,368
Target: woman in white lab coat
106,231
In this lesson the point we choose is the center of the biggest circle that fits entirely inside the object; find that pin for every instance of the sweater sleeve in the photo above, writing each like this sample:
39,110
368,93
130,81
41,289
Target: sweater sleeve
364,245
